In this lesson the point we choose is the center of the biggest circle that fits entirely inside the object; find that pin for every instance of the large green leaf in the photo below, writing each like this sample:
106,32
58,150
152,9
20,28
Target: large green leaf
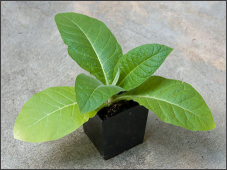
140,63
49,115
90,43
91,93
174,102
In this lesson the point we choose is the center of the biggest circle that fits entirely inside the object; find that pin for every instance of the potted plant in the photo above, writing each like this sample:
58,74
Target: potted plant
113,105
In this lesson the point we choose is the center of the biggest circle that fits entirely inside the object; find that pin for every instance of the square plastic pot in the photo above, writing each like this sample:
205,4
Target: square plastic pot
118,133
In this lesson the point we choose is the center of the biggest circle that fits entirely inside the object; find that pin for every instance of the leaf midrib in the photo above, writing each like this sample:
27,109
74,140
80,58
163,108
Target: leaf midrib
91,46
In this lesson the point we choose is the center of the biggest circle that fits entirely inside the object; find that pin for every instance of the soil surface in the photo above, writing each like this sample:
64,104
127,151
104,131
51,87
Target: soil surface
107,112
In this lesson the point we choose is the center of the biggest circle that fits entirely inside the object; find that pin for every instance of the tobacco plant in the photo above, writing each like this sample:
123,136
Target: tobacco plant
58,111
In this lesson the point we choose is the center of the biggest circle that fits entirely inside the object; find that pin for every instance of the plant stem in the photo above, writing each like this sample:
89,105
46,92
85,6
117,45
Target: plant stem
110,100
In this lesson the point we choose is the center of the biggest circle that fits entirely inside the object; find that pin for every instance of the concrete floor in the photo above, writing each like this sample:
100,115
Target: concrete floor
34,57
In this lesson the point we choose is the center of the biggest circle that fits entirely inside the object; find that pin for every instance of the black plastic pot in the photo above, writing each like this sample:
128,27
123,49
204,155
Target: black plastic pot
118,133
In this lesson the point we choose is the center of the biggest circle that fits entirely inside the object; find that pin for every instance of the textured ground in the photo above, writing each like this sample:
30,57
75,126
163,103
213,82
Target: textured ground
34,57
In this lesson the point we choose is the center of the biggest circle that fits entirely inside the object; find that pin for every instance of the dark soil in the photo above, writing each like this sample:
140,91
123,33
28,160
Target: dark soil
115,108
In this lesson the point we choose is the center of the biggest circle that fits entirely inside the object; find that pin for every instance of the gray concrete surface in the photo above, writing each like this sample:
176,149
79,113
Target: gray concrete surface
34,57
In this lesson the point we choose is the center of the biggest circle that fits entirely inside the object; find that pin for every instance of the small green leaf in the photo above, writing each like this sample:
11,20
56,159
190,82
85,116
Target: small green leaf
140,63
90,43
91,93
50,115
174,102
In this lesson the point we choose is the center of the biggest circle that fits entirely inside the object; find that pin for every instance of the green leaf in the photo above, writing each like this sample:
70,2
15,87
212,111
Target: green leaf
174,102
90,43
49,115
91,93
140,63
